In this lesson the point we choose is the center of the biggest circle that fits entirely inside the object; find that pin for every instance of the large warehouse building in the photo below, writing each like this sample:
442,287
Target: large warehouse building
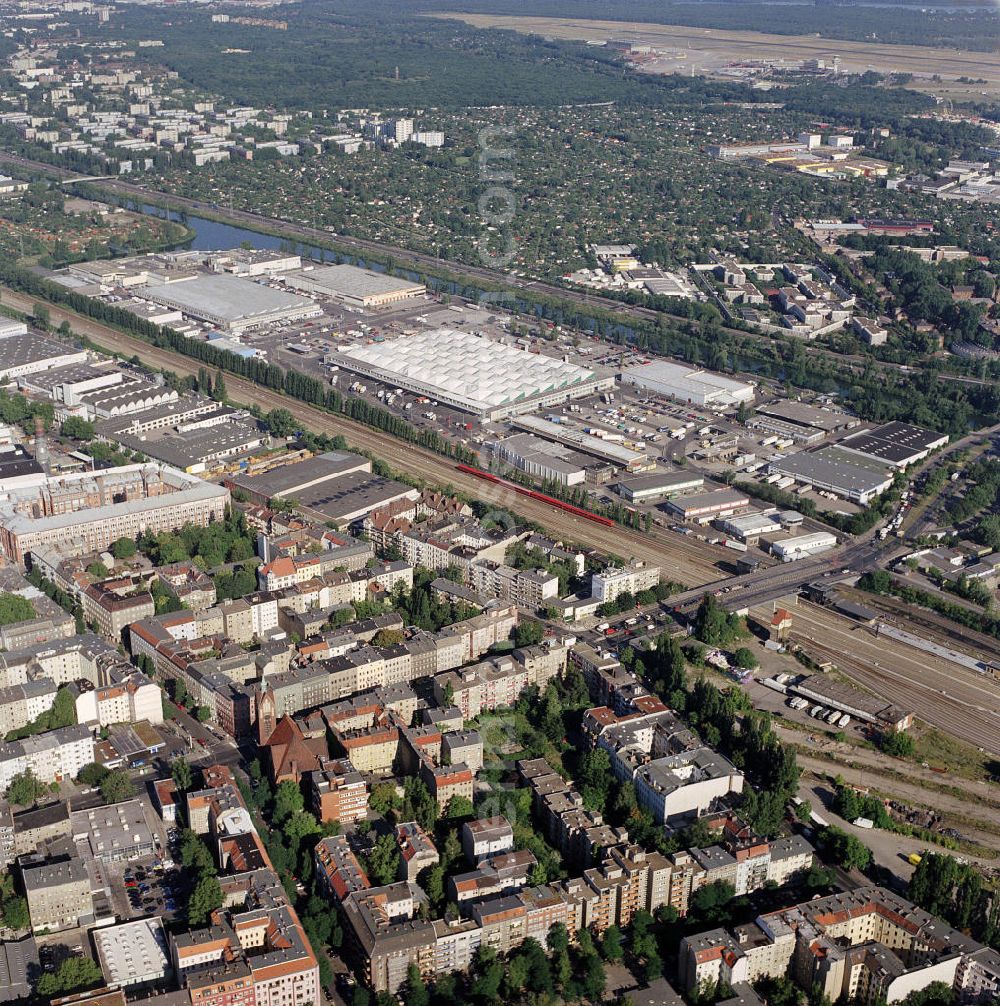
23,352
705,506
852,476
489,379
658,485
699,387
542,459
357,287
336,486
896,445
230,303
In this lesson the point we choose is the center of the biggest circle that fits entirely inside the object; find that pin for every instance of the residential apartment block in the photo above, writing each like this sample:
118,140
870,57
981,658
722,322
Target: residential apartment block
868,945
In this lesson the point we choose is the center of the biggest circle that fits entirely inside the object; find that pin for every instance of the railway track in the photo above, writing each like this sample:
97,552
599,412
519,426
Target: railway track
680,560
942,694
938,629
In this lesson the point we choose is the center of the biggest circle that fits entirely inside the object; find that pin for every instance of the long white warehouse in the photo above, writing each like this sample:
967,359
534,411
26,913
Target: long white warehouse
803,545
474,374
699,387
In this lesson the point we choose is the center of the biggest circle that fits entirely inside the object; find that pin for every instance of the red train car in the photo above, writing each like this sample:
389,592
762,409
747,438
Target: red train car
533,494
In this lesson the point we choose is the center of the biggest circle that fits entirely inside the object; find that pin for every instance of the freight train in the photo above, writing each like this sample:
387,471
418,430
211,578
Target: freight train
533,494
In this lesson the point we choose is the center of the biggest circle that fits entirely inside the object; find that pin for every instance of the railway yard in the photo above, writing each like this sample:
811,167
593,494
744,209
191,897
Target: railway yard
960,701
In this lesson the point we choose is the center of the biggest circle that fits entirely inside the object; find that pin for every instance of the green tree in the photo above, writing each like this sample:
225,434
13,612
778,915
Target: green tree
123,548
194,854
77,429
205,899
529,633
383,798
117,786
848,851
281,422
459,807
745,658
897,743
15,608
611,944
219,387
92,774
711,901
715,626
288,800
383,862
72,975
416,990
594,776
182,775
15,913
25,788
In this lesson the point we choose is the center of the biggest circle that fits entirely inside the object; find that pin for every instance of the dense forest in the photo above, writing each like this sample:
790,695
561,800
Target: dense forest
366,60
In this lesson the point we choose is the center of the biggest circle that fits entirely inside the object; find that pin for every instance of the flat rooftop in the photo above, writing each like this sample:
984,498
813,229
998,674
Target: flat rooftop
833,467
807,415
895,443
711,498
24,350
192,447
352,495
664,377
665,481
544,452
133,952
354,283
228,298
295,479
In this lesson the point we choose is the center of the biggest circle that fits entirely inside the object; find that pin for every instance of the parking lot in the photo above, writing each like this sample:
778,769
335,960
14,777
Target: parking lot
148,886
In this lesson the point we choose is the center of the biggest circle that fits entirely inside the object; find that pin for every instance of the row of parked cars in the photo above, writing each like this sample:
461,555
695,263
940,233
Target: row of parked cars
150,889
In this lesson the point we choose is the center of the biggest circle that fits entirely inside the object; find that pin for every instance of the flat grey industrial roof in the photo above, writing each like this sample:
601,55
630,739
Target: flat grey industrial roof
662,480
711,498
291,480
806,415
351,281
834,468
183,449
17,959
351,495
228,297
20,350
555,456
894,442
71,373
